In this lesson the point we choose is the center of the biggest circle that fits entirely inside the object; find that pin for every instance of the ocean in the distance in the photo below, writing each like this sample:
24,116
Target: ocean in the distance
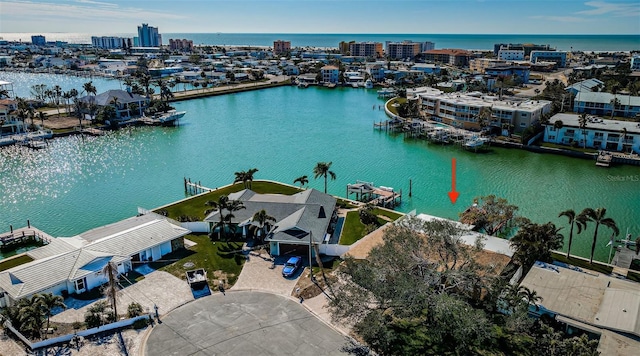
465,41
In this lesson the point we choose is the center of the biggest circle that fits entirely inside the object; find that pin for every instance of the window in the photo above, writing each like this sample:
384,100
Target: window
552,137
80,284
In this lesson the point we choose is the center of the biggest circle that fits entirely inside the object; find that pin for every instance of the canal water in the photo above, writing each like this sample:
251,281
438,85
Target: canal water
77,184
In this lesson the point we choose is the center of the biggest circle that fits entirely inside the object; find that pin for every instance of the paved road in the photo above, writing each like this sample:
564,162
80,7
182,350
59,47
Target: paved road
243,323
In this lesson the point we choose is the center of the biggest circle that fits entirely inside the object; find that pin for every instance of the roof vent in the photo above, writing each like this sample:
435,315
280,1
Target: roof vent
321,213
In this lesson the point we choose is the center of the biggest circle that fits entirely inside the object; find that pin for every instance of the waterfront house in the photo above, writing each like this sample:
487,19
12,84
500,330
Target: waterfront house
604,307
426,68
376,72
300,218
122,100
612,135
330,74
600,103
9,123
75,264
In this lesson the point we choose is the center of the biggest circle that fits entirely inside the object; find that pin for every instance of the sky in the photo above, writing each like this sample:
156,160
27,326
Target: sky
324,16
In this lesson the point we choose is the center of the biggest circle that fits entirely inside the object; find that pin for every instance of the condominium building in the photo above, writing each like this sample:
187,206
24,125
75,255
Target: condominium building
598,133
635,62
479,65
38,40
181,45
366,49
376,72
601,103
402,50
526,47
463,110
280,47
456,57
148,36
559,57
520,72
110,42
508,54
343,46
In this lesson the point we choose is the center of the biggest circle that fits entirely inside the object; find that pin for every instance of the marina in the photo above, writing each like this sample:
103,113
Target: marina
102,179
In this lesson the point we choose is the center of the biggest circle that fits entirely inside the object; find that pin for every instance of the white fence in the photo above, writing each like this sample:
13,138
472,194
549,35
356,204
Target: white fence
196,226
333,249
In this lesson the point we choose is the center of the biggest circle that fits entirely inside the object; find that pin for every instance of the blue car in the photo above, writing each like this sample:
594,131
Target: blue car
291,267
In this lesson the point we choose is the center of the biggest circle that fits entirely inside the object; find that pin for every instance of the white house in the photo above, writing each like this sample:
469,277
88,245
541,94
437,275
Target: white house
598,133
75,264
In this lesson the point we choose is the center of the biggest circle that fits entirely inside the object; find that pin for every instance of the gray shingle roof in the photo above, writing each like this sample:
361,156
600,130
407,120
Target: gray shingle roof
104,99
307,211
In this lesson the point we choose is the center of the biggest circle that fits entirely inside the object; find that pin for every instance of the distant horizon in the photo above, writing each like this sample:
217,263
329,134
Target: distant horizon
570,17
339,33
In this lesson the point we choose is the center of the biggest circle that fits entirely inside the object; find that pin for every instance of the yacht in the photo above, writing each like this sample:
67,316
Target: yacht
368,84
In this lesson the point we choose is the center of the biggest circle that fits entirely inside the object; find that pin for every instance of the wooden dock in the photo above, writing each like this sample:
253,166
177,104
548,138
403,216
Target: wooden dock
92,131
16,237
366,192
195,188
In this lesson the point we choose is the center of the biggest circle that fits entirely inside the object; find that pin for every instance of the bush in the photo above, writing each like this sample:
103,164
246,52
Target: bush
140,323
134,309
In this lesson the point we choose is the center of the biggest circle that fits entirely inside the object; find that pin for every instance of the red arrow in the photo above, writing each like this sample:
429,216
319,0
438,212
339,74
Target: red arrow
453,195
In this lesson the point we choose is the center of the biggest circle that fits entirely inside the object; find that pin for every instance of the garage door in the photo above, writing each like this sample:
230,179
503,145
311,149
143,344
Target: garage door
297,250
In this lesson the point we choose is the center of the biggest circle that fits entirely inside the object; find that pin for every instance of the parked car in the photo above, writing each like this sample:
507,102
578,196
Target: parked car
291,267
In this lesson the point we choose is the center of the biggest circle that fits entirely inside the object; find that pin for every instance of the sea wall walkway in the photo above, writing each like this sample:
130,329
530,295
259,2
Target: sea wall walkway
228,89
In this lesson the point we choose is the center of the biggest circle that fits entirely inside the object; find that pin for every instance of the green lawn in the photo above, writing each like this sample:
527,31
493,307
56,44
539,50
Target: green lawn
195,207
11,262
398,100
353,229
569,148
596,266
212,257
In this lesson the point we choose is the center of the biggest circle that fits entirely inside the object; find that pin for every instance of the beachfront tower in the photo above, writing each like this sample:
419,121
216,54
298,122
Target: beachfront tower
281,47
148,36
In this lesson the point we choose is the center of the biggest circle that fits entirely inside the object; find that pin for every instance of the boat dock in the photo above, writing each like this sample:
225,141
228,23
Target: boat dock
15,238
604,159
366,192
195,188
93,131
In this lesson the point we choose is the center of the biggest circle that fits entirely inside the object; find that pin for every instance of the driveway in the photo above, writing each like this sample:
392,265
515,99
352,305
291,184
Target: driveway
257,275
159,288
243,323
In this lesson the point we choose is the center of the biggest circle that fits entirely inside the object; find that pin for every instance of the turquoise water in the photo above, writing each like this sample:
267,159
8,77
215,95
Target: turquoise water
75,184
465,41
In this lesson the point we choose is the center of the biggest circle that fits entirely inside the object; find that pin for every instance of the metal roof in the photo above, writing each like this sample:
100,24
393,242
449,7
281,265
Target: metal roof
606,98
118,246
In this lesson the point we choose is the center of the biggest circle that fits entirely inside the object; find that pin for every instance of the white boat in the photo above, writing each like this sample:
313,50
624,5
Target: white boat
6,141
368,84
168,118
475,143
40,134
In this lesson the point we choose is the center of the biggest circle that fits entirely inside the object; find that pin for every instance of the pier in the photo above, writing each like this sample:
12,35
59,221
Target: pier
366,192
195,188
16,238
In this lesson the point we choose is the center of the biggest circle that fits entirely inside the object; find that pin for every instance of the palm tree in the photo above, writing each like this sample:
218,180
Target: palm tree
262,217
4,93
89,88
249,176
115,103
57,92
484,117
623,136
111,289
31,317
582,122
614,102
221,205
577,220
302,180
241,177
530,296
49,302
42,116
598,216
322,169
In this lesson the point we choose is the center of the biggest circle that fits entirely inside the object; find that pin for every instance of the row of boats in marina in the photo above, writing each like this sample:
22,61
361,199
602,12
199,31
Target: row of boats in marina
437,133
34,139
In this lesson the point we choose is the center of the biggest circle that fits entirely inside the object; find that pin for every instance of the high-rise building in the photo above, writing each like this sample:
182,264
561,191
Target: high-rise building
404,49
366,49
148,36
344,46
180,45
38,40
110,42
427,46
280,47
